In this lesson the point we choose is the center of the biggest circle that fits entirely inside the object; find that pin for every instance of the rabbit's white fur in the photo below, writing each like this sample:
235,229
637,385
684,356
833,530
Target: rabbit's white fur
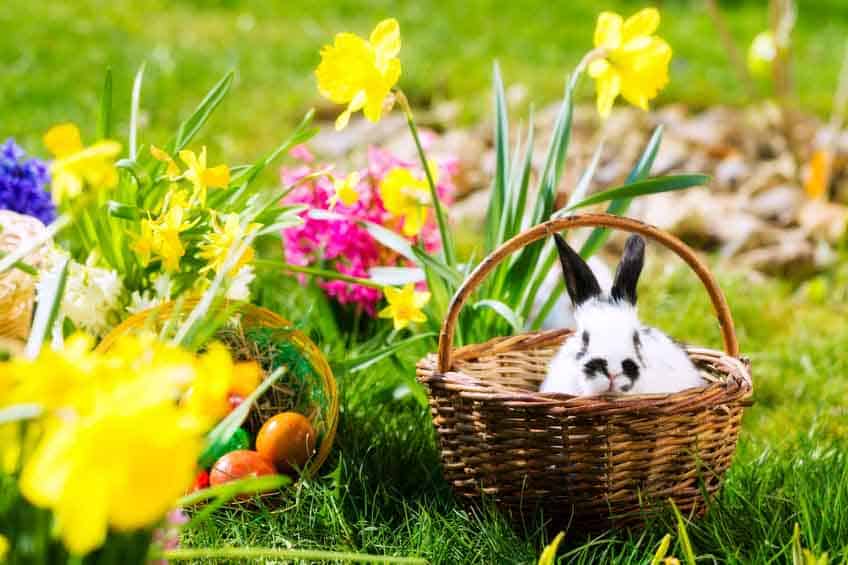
610,350
610,325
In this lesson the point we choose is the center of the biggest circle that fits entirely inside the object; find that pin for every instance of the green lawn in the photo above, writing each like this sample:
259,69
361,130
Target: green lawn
53,55
382,491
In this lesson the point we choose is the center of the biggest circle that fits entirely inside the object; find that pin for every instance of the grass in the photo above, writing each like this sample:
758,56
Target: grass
382,490
55,54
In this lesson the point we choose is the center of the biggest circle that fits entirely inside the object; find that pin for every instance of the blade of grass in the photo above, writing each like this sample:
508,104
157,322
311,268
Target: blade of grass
242,554
644,187
134,106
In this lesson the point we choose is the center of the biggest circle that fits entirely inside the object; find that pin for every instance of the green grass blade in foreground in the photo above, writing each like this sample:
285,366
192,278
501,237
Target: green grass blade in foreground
49,302
225,429
641,188
450,275
619,206
317,272
104,118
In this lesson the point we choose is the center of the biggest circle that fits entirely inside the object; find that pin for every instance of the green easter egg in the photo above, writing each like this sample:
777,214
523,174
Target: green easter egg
239,440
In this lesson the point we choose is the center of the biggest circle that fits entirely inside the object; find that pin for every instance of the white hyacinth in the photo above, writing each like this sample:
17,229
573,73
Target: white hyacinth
92,295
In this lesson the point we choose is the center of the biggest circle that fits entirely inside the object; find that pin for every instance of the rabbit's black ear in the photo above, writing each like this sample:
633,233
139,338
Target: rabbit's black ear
627,274
579,279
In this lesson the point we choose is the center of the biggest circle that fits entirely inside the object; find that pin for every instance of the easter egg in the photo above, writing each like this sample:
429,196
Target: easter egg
287,440
239,440
239,464
201,481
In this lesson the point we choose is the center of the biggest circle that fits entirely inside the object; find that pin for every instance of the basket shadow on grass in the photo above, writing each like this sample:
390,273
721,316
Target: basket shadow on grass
382,492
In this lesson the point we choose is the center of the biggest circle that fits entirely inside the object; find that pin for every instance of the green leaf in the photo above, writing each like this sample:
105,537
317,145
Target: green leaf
276,555
583,184
49,302
221,434
227,491
189,128
641,188
134,107
618,207
104,119
362,362
683,535
504,311
495,220
450,275
124,211
523,185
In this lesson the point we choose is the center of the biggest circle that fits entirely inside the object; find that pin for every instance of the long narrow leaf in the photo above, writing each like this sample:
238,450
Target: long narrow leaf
642,188
497,202
584,183
362,362
189,128
619,206
450,275
271,554
134,107
502,310
49,302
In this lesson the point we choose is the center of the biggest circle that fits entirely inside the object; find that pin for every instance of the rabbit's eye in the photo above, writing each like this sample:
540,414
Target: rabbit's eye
630,368
595,367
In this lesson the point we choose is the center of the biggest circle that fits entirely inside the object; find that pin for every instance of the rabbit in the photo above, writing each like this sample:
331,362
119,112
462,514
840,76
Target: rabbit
562,314
611,351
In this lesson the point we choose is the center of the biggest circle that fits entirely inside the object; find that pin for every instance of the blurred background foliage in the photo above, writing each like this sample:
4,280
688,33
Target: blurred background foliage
53,56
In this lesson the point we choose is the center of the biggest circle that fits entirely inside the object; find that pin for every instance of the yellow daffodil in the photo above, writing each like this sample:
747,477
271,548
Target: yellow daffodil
116,449
201,176
146,243
360,73
407,197
76,167
405,305
218,242
634,62
4,548
161,237
172,171
346,190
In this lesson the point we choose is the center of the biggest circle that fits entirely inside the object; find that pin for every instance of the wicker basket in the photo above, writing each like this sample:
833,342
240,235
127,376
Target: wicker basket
17,289
323,415
593,462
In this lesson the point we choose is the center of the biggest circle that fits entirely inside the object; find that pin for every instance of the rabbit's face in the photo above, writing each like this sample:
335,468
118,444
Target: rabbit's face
609,353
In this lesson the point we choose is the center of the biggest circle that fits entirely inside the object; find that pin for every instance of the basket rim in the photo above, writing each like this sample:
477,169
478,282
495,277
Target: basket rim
739,385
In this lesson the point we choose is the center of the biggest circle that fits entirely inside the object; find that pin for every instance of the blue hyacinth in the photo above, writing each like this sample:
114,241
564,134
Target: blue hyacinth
23,183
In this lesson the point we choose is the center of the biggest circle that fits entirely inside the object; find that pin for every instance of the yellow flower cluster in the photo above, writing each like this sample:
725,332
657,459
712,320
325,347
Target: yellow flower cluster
407,197
76,166
120,432
405,305
217,243
201,177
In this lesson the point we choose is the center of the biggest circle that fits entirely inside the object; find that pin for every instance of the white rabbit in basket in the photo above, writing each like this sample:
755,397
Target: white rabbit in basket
611,351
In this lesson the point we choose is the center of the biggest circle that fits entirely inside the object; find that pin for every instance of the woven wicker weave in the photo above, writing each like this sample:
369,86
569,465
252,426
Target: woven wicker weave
17,289
595,462
323,417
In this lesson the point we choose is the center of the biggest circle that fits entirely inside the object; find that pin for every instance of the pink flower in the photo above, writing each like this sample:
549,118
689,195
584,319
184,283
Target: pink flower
342,244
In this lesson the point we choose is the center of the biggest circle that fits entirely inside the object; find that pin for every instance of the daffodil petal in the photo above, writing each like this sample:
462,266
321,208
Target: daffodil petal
644,22
608,30
63,140
608,86
386,39
217,177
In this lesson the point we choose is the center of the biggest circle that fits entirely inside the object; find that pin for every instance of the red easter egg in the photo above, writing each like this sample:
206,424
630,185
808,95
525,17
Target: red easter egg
201,481
239,465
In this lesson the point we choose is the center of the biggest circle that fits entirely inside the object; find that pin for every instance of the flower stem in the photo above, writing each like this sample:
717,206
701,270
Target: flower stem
323,273
286,554
447,242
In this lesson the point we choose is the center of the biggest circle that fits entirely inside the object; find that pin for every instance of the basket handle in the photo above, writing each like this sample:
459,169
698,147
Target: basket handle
546,229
